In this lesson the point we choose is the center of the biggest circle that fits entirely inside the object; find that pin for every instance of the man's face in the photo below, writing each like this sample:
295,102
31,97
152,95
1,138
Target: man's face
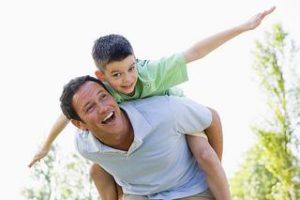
121,75
99,112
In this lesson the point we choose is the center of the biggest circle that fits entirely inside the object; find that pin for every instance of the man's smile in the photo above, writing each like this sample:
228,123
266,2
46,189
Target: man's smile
109,117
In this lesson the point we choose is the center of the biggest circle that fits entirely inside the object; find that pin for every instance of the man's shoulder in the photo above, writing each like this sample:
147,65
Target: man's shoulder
153,100
154,111
156,103
80,140
85,143
174,104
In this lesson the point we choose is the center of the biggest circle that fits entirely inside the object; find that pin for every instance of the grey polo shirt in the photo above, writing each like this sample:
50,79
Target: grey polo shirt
158,163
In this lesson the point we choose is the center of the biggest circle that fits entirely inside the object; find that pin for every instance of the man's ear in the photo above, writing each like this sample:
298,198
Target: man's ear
100,75
78,124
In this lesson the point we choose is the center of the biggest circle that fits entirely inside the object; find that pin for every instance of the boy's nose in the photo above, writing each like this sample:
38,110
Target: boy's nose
127,79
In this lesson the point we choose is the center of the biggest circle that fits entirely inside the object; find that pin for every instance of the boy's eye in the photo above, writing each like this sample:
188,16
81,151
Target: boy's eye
131,68
116,75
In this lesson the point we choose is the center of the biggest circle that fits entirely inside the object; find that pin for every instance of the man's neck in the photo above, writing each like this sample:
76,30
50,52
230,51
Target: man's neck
126,138
129,133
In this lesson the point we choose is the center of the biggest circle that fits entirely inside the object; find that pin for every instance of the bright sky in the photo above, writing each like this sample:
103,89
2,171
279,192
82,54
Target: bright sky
44,44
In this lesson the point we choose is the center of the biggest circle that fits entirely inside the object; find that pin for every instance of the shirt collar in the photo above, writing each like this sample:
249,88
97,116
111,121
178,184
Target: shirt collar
140,125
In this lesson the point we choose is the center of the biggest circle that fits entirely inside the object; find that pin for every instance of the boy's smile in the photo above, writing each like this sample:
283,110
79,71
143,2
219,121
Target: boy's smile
121,75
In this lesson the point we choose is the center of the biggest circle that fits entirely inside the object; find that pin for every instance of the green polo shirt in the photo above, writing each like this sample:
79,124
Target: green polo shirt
156,78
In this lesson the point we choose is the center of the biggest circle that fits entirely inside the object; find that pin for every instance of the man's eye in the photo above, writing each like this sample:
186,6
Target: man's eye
89,109
103,96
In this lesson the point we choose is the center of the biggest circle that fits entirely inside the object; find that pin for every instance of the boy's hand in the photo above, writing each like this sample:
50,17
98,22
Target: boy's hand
39,155
254,21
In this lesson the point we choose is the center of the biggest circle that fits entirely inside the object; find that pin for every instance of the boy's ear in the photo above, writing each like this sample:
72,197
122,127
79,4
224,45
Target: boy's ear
100,75
78,124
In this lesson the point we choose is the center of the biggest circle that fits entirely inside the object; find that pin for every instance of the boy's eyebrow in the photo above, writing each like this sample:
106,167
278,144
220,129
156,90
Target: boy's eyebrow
132,64
114,71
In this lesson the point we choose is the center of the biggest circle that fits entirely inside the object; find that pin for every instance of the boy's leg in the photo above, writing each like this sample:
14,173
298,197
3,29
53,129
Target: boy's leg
209,162
105,183
206,195
134,197
215,134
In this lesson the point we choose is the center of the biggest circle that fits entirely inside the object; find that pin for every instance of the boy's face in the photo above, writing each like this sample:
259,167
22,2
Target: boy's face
121,75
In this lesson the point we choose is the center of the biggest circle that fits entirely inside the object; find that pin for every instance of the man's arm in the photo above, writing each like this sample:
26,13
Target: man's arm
203,47
56,129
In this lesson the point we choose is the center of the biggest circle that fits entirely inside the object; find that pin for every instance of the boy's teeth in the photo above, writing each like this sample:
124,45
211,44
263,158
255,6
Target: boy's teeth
108,116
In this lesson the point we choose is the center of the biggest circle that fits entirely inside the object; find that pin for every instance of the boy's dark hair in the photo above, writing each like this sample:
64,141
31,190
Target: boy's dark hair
110,48
68,92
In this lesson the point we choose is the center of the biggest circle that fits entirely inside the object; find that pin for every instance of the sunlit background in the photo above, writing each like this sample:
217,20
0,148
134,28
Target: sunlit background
44,44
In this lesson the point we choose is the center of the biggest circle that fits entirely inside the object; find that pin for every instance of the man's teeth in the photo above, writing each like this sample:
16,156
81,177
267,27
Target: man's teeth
107,117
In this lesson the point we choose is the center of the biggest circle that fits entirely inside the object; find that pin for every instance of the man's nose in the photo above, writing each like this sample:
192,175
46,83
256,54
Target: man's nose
101,108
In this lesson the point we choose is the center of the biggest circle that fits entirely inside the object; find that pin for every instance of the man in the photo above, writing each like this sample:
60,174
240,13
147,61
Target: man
142,144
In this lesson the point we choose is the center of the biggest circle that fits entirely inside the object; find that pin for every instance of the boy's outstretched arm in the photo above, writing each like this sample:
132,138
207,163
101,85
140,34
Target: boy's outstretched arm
205,46
56,129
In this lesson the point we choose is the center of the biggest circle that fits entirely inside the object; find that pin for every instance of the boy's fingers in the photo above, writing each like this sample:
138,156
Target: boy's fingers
267,12
270,10
32,162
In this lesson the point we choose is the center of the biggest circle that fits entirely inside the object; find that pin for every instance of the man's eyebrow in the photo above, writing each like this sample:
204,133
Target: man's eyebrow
88,103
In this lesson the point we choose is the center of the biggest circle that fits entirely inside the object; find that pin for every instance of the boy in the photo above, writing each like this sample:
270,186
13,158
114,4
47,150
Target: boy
155,78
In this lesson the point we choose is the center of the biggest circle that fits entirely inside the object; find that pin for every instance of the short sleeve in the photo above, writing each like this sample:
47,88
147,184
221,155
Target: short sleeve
190,116
158,76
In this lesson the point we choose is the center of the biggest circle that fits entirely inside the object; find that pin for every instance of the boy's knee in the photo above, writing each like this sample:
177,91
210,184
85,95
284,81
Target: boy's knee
215,115
207,156
202,151
216,122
